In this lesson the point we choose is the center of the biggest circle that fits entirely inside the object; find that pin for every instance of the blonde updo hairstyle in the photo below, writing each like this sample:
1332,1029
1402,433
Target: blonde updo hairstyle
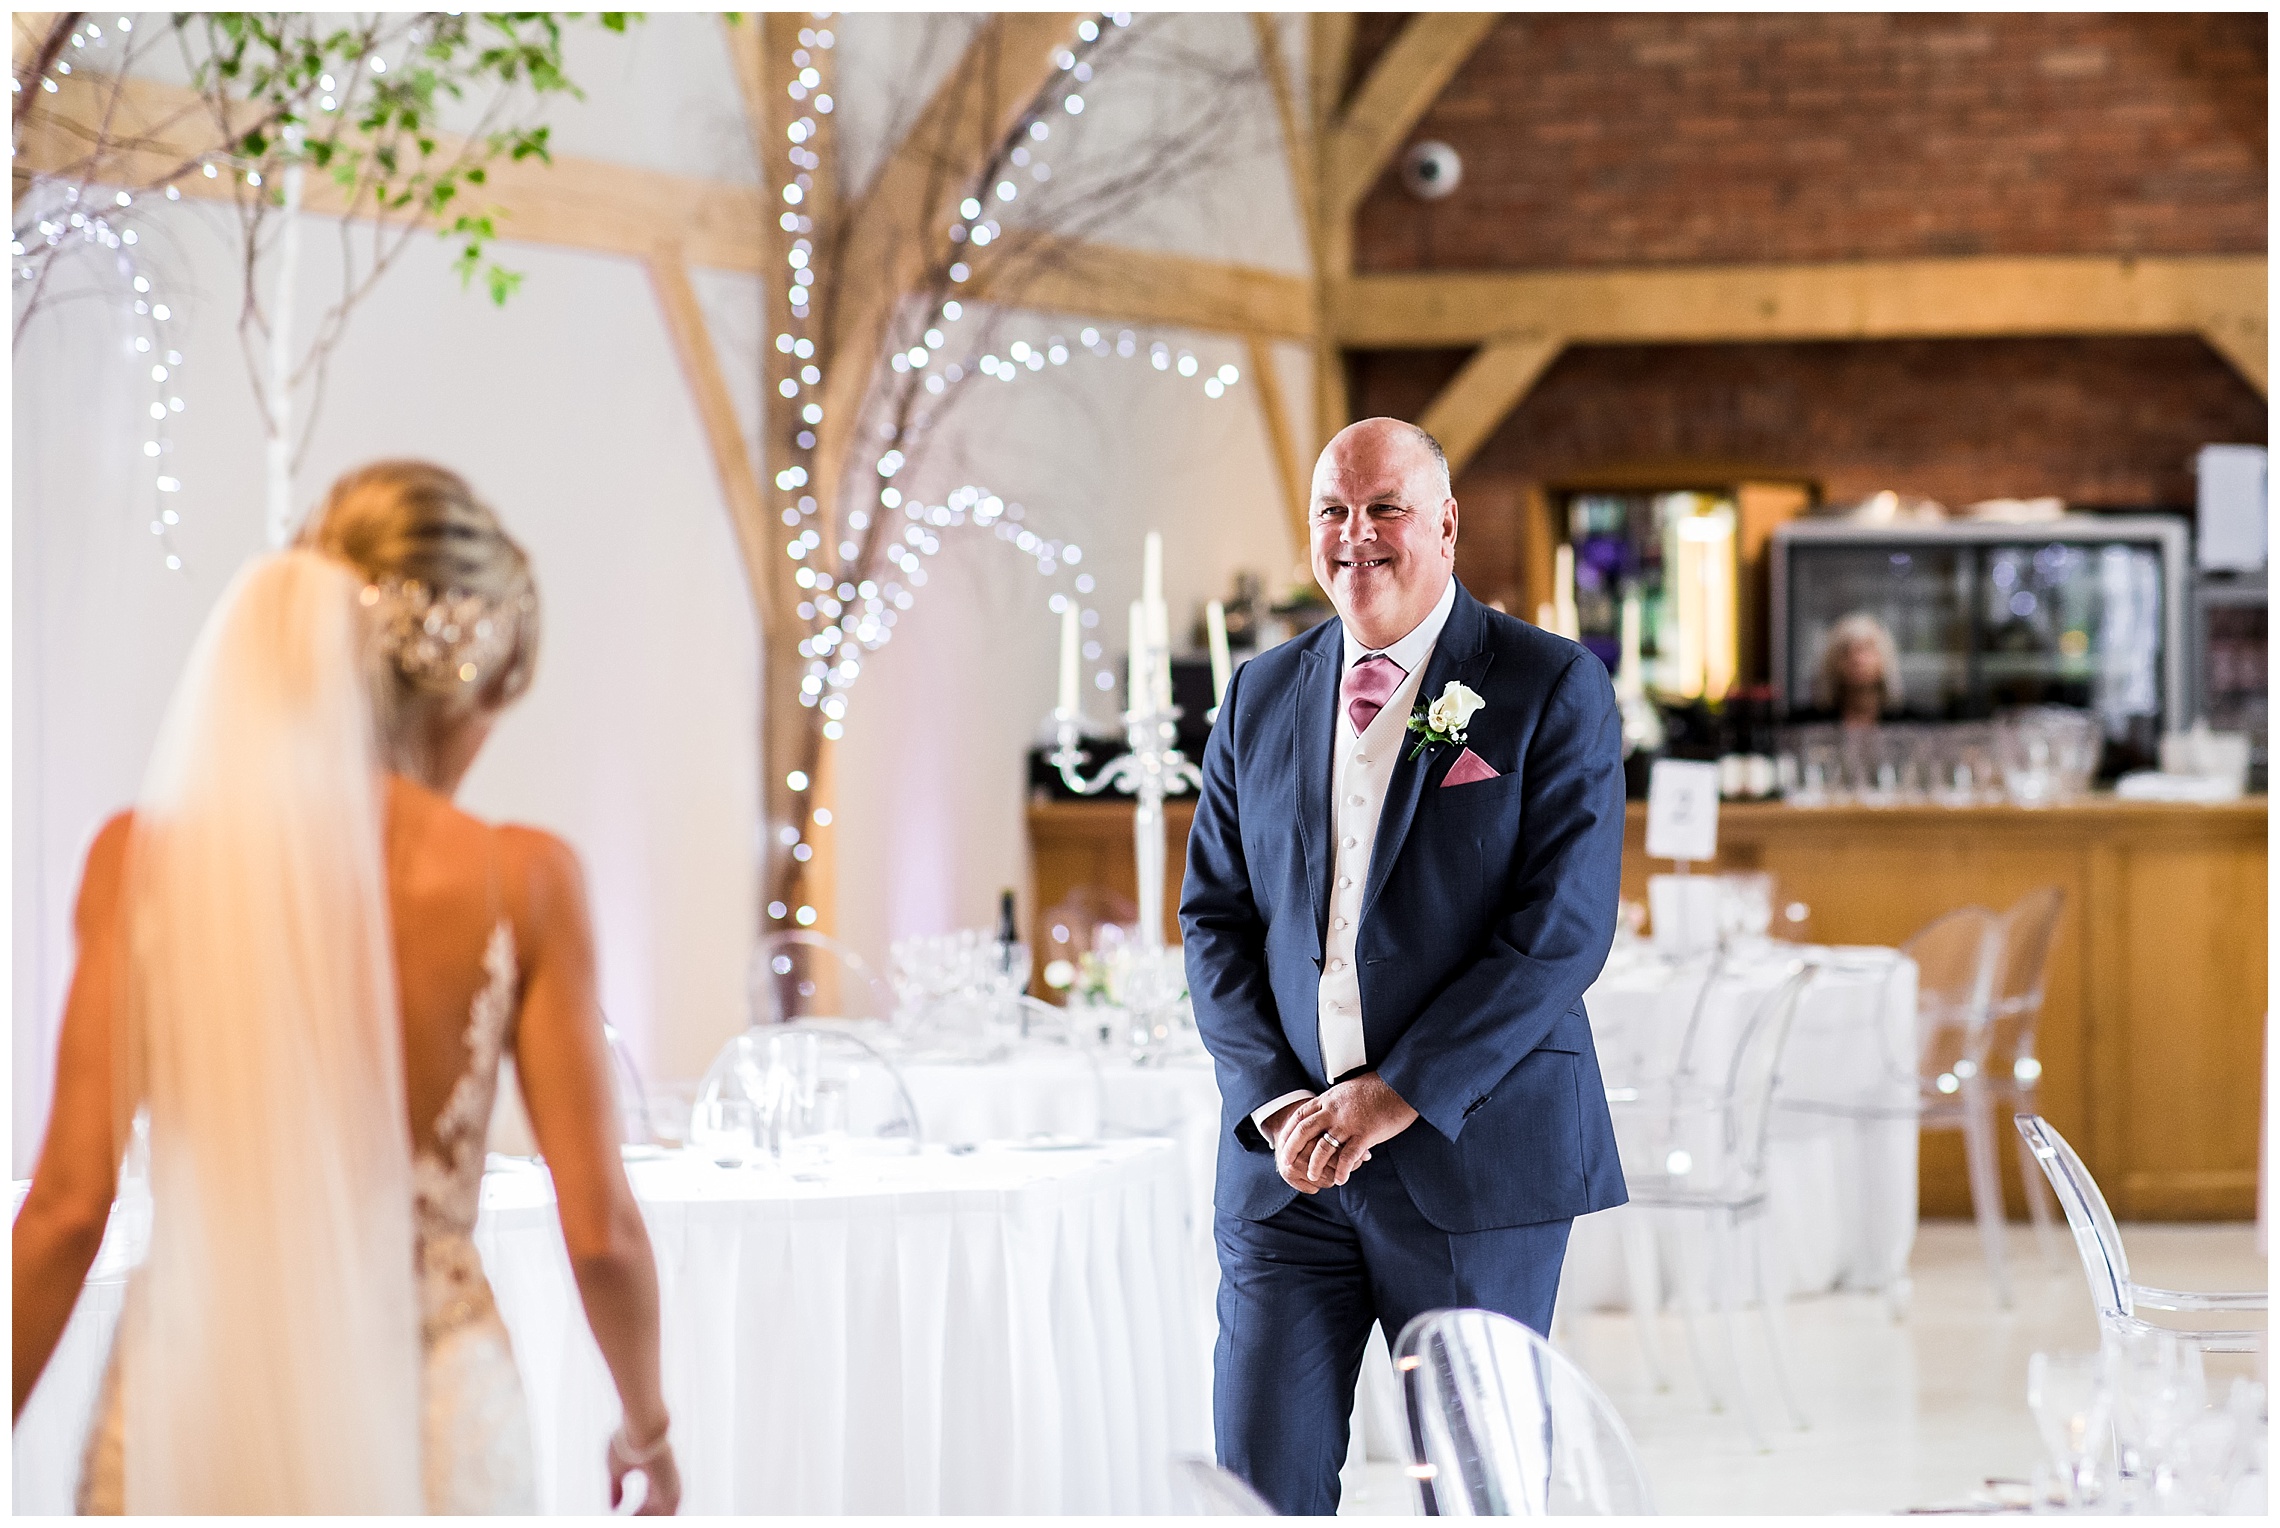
401,524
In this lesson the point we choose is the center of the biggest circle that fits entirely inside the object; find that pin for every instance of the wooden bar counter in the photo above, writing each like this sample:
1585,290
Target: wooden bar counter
2152,1037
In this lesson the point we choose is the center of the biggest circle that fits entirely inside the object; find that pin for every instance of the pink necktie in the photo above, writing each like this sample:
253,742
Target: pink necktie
1369,685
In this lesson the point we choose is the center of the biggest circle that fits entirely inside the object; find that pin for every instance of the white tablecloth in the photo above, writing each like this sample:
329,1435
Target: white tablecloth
1841,1196
1012,1330
1003,1331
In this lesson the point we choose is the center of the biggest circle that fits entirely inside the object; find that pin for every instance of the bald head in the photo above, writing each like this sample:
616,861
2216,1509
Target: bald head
1383,527
1390,441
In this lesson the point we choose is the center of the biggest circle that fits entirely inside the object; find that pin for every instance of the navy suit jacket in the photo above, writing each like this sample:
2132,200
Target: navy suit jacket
1489,908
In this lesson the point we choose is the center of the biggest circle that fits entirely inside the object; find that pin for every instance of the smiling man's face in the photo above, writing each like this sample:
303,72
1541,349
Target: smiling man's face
1384,529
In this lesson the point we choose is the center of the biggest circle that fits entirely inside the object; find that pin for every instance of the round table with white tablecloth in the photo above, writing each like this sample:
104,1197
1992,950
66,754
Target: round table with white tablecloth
1841,1195
1003,1330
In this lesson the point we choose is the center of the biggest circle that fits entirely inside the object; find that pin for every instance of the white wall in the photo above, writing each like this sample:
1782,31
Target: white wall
567,409
932,780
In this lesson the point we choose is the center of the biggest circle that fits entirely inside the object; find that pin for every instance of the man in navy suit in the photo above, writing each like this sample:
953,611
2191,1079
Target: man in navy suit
1388,934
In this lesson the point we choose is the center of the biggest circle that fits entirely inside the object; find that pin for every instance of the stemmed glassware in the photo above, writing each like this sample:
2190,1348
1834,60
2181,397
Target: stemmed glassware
2072,1404
2158,1391
2047,753
951,988
2129,1429
2038,755
757,1101
972,963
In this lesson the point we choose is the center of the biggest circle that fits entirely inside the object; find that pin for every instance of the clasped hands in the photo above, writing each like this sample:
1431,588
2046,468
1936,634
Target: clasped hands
1319,1141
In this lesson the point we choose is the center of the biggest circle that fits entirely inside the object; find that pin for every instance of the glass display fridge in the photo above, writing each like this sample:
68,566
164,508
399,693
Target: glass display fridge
2230,648
2085,611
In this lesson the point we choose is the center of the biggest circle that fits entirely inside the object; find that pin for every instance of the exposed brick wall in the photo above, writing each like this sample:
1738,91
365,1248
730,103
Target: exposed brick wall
2099,422
1612,139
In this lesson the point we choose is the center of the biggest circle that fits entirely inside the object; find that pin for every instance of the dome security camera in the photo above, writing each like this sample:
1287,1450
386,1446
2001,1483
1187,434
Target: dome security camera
1431,170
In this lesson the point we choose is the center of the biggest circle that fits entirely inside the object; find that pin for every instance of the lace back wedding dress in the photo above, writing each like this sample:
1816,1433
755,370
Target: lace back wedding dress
475,1430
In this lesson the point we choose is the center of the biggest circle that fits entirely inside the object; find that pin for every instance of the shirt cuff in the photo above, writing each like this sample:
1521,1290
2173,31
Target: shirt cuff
1266,1111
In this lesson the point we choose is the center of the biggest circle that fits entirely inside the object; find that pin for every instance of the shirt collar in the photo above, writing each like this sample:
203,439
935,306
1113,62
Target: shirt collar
1411,651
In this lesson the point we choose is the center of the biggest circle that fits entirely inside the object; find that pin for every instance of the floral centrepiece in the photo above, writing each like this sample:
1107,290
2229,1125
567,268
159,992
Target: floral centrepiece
1444,718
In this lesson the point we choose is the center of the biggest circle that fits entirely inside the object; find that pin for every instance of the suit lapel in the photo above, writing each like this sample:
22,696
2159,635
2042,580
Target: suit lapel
1460,655
1316,701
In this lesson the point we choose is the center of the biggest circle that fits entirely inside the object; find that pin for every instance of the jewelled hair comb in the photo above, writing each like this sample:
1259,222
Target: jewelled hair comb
444,639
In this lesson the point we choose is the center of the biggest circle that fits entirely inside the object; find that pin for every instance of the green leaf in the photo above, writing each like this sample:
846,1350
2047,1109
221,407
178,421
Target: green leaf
504,284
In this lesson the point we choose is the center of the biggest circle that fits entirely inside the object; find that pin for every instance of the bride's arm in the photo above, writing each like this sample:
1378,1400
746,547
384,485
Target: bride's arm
60,1228
564,1066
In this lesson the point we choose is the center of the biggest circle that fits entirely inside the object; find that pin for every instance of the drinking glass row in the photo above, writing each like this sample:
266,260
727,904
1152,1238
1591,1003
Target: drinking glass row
2034,757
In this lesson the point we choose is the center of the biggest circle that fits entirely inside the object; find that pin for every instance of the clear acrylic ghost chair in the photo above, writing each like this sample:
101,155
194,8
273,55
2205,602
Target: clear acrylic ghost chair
1944,1085
1638,1106
636,1125
1501,1425
1955,960
1204,1489
2116,1298
1707,1160
803,1094
2014,1010
1030,1079
798,976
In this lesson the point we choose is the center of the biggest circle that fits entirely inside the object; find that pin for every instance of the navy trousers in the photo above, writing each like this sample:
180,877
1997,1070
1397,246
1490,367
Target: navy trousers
1297,1295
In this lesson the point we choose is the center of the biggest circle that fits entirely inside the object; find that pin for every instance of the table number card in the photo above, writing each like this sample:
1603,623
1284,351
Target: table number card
1682,810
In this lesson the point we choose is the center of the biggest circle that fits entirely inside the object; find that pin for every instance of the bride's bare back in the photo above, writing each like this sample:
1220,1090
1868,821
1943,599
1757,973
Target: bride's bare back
452,880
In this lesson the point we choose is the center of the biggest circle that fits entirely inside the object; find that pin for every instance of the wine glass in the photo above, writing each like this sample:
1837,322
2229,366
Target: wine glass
2072,1404
2158,1389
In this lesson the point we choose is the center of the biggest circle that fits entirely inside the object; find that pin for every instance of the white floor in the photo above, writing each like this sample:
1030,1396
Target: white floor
1918,1414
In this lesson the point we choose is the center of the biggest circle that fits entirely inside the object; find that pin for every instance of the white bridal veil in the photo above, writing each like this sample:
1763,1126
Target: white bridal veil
270,1358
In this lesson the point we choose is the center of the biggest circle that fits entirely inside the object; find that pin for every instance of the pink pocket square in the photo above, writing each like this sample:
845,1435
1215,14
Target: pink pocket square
1469,767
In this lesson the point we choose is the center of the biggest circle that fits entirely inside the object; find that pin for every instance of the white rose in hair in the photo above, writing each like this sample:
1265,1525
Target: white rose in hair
1454,709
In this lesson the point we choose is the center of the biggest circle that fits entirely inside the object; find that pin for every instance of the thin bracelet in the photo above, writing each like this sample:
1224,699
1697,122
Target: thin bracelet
624,1453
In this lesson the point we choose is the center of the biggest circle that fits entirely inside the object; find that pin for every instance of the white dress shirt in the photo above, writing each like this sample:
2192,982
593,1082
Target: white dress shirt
1361,769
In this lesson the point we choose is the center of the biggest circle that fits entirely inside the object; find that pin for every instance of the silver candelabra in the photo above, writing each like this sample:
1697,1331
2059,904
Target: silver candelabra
1150,769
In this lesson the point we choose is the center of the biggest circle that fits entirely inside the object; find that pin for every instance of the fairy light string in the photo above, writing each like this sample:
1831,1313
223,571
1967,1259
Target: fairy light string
97,223
851,604
850,613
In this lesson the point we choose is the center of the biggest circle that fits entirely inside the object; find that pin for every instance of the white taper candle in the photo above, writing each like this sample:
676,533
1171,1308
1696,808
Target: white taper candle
1215,627
1160,649
1136,663
1068,706
1152,570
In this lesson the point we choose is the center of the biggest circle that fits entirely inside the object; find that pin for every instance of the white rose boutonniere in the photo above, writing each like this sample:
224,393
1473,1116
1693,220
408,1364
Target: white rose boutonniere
1444,719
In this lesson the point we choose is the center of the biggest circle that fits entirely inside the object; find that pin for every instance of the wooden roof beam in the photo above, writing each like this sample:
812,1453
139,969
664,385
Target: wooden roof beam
1052,274
1401,86
580,203
1484,393
1868,299
622,210
889,233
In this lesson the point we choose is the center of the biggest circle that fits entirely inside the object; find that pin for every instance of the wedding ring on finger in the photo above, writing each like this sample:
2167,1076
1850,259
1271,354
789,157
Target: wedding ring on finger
1335,1144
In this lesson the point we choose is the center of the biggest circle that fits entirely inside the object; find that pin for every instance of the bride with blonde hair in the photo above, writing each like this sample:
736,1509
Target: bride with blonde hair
299,965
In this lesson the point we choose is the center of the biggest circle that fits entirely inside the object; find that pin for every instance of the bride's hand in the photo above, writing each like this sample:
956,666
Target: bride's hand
658,1469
